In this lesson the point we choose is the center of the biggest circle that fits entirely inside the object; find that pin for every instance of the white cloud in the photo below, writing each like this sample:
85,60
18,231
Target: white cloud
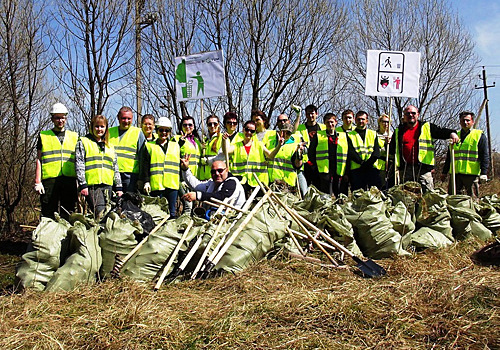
488,36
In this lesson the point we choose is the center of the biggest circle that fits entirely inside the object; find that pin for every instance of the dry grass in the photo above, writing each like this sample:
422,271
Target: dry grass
432,300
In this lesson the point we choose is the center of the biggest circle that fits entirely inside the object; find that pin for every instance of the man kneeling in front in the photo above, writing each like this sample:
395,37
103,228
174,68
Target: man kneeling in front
222,185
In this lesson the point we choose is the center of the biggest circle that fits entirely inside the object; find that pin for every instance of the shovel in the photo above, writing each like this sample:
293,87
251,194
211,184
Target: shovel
453,184
369,268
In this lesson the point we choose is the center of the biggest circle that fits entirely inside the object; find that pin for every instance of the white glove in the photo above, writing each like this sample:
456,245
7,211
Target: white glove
296,109
147,188
483,178
39,188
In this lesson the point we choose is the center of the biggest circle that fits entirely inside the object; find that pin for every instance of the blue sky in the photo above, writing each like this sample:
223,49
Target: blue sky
482,17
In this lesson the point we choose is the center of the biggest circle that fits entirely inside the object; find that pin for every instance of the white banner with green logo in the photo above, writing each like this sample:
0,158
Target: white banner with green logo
200,76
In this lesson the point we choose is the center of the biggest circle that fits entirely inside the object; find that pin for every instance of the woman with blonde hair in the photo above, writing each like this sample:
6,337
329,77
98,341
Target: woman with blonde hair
96,166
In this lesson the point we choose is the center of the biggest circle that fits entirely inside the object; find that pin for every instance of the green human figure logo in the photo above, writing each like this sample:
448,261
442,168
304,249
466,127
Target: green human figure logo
187,85
201,83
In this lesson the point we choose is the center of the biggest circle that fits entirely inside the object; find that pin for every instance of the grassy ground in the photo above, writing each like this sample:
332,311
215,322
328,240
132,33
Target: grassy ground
435,299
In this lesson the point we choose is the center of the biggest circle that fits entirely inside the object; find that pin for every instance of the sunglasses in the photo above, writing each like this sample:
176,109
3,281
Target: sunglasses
217,171
232,123
410,113
250,130
212,124
164,130
188,125
282,120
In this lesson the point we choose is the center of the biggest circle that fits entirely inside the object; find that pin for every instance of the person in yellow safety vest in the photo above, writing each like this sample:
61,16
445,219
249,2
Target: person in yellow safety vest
331,156
250,156
384,135
159,165
413,147
190,144
231,125
97,167
128,141
363,153
213,146
262,132
347,121
347,126
308,133
288,160
296,137
148,127
55,177
471,158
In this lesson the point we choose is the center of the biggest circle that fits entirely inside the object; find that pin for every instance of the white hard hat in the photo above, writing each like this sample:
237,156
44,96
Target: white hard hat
165,122
58,108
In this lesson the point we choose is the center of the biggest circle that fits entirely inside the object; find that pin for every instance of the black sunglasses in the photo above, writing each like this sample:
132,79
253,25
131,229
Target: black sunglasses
164,130
212,124
250,130
188,125
217,171
232,123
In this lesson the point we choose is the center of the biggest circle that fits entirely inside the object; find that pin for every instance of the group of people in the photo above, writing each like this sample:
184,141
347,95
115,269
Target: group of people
229,164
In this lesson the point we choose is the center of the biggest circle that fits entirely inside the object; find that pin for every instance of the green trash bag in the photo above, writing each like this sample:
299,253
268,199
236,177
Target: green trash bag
432,212
117,238
47,249
407,193
255,241
490,217
156,207
424,238
149,261
340,229
401,219
372,228
83,265
464,219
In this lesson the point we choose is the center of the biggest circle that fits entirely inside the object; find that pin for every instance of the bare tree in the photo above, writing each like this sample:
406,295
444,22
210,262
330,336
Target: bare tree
427,26
93,43
24,93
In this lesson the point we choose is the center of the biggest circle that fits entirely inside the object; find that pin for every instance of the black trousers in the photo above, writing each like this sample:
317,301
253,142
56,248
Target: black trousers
60,196
365,178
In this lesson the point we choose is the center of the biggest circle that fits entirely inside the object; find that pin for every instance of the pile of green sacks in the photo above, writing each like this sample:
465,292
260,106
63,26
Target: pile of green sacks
64,254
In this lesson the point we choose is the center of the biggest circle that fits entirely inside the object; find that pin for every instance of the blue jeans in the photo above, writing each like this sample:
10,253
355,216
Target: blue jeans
171,196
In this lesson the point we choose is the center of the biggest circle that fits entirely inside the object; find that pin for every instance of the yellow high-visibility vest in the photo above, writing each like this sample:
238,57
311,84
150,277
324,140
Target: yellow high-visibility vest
467,154
364,149
98,164
281,167
322,160
425,146
194,151
164,168
205,169
58,159
126,148
302,129
255,162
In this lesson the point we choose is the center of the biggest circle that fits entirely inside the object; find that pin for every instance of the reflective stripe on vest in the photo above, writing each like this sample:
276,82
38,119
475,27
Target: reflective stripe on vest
383,150
281,167
98,164
164,167
126,148
425,146
364,149
58,159
205,169
467,154
322,158
255,162
194,151
302,129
